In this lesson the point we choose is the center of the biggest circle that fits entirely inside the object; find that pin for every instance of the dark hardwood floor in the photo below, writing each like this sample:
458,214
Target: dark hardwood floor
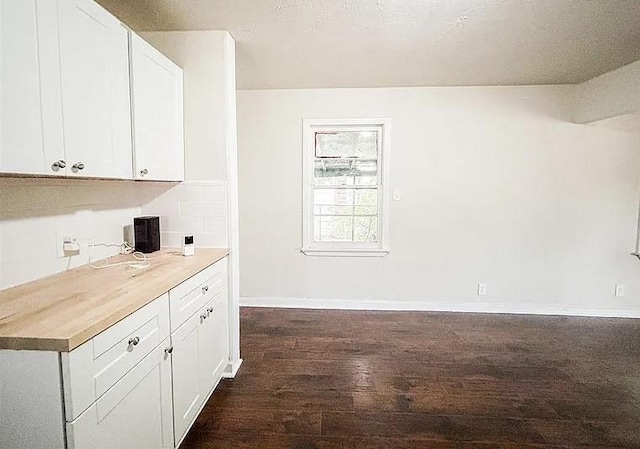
338,379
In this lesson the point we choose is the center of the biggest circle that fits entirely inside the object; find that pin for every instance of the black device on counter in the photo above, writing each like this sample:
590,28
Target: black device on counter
147,234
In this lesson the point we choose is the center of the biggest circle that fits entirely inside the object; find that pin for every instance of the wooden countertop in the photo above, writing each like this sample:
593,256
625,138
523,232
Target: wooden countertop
60,312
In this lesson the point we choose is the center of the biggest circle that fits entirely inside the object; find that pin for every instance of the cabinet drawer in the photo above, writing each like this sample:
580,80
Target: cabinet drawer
91,369
135,413
189,297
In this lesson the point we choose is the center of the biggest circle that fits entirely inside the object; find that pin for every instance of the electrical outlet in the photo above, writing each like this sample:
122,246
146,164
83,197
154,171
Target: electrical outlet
67,246
619,290
60,245
482,289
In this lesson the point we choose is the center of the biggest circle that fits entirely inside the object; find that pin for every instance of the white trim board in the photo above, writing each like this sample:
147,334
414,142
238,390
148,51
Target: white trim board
407,306
217,182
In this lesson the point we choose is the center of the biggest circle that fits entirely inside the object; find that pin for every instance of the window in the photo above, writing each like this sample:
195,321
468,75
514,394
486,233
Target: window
345,187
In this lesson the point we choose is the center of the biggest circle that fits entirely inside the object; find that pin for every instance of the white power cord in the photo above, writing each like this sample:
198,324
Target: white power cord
141,259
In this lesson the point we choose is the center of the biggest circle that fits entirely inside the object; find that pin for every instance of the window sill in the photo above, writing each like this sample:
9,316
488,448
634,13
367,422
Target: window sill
344,252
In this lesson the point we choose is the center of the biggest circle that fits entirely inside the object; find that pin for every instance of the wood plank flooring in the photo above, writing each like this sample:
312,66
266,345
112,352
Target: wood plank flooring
316,379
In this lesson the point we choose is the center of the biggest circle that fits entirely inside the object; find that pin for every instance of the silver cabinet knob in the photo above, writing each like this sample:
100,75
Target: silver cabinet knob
57,165
134,341
144,171
168,350
203,317
77,167
210,310
205,289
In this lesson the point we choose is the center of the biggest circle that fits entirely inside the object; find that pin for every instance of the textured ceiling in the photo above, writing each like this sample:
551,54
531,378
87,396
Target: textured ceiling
365,43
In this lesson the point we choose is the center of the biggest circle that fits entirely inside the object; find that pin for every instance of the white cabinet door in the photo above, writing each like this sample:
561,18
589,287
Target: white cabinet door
157,114
135,413
95,90
214,336
187,390
31,138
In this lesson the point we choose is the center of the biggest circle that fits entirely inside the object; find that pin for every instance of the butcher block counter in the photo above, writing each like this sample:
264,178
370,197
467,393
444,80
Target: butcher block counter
61,312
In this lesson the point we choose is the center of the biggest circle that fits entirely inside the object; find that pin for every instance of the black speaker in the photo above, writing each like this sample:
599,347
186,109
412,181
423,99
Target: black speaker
147,234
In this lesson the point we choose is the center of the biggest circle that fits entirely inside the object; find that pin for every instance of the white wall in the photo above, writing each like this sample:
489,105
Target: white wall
35,214
498,187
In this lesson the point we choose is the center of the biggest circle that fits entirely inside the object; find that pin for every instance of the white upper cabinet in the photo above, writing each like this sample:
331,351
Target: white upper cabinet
31,138
95,91
66,94
157,114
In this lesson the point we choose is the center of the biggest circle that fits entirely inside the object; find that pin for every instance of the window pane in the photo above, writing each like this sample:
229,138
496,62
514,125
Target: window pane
333,197
332,172
366,197
345,201
345,215
333,210
347,144
365,229
365,210
335,229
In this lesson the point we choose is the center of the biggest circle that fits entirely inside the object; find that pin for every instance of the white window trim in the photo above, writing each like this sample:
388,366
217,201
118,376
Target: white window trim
311,248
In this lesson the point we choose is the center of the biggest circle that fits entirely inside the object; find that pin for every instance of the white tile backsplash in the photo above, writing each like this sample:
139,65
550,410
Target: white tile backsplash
213,194
37,212
214,224
197,208
188,209
182,224
170,239
210,239
162,208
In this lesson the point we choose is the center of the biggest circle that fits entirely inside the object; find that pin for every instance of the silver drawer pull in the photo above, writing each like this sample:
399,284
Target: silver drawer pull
168,350
205,289
210,310
203,317
134,341
58,165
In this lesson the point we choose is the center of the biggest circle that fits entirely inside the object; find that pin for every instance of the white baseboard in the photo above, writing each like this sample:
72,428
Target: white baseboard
232,369
524,309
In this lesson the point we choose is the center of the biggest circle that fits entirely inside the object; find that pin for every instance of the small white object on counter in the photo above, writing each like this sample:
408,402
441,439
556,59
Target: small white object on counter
188,248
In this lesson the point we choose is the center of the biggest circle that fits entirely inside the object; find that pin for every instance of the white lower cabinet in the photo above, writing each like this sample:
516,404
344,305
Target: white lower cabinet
140,384
135,413
200,355
215,332
187,392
